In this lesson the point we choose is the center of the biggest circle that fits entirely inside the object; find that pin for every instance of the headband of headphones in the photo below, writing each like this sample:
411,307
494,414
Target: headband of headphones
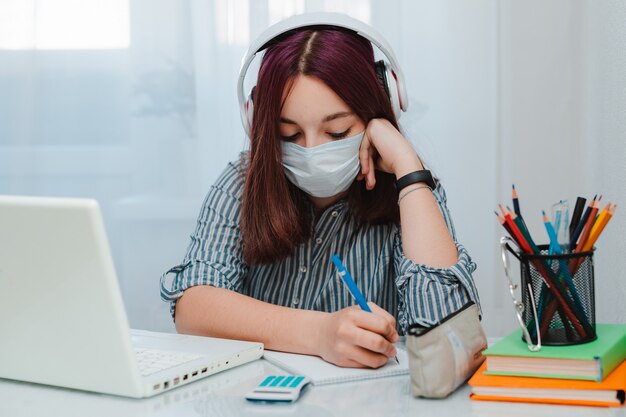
398,95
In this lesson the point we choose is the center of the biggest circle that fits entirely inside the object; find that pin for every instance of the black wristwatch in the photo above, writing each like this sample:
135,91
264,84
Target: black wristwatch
416,176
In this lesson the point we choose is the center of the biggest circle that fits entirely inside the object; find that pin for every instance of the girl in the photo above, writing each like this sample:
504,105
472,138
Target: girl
328,172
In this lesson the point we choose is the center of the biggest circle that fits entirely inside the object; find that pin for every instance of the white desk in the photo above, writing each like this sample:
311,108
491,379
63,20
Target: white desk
223,395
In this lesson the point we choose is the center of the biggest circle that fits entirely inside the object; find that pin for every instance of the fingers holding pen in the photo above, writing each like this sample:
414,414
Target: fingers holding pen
389,332
356,338
375,333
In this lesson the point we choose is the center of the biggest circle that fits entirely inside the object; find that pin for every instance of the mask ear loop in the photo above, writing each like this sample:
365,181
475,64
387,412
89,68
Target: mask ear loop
505,247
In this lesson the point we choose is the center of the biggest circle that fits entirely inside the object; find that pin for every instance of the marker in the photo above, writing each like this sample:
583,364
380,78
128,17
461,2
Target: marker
354,290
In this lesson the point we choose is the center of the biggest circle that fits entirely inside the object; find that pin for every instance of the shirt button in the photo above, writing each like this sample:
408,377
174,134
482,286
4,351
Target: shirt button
303,269
295,301
335,213
318,240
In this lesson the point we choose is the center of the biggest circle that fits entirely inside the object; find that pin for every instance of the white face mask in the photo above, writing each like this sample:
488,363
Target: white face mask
324,170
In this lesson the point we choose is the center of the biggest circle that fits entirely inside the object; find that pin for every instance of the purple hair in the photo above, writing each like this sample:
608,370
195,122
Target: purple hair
274,215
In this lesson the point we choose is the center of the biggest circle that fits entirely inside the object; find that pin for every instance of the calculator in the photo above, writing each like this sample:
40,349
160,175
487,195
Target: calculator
279,388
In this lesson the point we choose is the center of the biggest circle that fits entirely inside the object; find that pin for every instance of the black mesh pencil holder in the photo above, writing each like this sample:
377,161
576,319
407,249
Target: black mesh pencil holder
562,288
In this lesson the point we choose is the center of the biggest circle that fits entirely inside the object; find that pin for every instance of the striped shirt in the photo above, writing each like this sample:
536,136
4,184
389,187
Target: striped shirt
307,279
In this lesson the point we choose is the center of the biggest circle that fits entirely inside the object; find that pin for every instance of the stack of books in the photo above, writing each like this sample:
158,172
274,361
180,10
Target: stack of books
592,373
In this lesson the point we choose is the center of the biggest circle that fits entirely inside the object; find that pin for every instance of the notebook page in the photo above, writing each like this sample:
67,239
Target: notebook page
322,372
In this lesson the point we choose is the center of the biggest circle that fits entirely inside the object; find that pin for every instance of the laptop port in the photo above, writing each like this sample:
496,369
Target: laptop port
195,373
185,377
204,370
176,380
166,385
156,387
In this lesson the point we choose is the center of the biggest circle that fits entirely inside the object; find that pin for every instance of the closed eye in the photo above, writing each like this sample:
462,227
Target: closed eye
291,138
339,135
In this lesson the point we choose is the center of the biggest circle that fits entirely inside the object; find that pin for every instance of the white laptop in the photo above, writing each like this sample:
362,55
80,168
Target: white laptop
62,319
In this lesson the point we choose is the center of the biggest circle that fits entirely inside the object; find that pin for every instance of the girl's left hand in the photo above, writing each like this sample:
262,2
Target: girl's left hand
384,148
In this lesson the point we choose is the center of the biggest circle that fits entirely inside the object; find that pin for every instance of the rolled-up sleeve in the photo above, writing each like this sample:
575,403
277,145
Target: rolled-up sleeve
214,256
428,294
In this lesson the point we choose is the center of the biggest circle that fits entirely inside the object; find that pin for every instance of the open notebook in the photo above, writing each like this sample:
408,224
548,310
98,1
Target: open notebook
321,372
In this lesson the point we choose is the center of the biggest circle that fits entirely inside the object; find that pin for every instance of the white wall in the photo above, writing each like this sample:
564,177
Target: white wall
603,151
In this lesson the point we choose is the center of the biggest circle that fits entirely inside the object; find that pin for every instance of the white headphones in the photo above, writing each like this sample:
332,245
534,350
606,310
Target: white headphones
389,72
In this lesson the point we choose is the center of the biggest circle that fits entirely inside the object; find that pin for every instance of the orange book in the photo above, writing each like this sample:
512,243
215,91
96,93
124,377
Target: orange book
609,392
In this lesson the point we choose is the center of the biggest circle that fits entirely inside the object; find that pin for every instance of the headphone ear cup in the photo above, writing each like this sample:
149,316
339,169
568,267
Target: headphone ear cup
389,83
381,73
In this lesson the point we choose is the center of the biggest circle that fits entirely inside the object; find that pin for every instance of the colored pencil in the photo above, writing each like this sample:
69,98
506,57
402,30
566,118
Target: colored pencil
579,321
515,201
517,234
588,225
503,223
596,230
581,225
585,225
554,243
578,211
599,226
558,293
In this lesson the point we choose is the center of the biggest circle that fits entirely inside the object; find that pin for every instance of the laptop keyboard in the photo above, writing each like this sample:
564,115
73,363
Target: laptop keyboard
151,360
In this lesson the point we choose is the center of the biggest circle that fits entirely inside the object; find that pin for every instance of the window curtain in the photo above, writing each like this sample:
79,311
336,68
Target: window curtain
133,103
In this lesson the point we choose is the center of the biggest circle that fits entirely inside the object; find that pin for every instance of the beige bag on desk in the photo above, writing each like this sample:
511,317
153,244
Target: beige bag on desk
443,357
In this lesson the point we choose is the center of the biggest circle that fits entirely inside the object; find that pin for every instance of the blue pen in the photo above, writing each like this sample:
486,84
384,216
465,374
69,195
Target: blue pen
354,290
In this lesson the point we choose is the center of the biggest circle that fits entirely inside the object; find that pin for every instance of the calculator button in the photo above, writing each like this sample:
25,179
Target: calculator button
287,381
297,381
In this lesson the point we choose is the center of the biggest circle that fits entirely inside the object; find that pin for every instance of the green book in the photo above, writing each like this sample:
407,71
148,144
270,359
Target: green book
589,361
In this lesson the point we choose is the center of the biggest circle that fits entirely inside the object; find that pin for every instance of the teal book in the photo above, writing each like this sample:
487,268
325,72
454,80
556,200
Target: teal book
588,361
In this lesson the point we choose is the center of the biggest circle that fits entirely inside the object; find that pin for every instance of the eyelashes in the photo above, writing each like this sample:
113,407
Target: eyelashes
339,135
290,138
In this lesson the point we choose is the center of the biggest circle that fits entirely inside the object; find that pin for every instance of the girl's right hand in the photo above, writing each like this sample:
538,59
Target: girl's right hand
358,339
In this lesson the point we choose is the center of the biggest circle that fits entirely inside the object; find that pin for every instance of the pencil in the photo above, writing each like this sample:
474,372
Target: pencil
588,225
554,243
581,224
515,201
579,321
503,223
578,211
599,225
517,234
596,230
585,225
546,274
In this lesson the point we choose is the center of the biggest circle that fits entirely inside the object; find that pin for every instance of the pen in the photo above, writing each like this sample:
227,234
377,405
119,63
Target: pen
354,290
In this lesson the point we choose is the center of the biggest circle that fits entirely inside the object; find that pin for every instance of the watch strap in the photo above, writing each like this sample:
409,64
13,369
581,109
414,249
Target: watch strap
416,176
